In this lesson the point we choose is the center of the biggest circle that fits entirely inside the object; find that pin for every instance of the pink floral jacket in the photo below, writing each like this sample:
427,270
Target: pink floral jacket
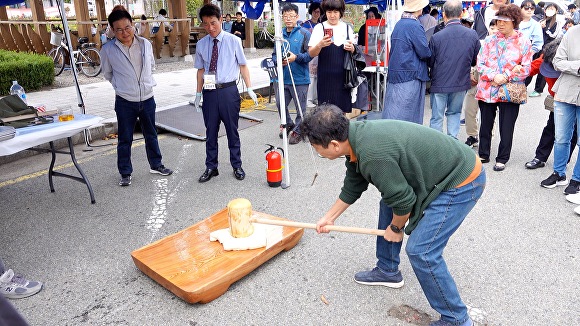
508,52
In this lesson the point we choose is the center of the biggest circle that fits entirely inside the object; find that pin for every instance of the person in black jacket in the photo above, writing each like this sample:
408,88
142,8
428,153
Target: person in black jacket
371,13
484,16
239,27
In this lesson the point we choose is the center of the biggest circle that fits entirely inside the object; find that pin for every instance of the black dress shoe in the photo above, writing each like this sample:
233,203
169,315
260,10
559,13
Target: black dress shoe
239,173
535,163
484,160
208,174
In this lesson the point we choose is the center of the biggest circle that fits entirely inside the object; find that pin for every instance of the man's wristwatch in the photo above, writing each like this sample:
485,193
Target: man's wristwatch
396,229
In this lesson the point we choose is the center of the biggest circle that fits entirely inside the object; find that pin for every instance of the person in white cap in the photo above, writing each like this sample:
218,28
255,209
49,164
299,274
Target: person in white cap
407,78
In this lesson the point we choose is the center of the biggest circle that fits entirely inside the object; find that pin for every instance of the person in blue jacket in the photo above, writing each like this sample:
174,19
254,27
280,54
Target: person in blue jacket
296,72
407,78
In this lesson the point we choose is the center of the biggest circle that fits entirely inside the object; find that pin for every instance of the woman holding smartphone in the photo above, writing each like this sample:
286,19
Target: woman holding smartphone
329,41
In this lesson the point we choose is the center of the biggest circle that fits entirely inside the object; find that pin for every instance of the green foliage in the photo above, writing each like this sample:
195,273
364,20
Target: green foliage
32,71
192,7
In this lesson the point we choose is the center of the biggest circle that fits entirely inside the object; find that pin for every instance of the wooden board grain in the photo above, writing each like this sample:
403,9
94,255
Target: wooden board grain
197,270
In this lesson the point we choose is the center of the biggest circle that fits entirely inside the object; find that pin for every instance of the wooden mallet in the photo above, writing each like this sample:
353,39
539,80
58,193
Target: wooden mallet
240,219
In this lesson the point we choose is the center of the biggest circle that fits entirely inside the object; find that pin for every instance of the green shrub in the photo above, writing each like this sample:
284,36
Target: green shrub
32,71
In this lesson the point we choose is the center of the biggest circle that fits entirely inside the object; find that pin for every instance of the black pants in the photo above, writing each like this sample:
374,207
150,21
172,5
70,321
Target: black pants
508,114
547,140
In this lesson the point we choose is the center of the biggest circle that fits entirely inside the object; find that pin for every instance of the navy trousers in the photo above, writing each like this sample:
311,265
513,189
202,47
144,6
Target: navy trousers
222,105
127,114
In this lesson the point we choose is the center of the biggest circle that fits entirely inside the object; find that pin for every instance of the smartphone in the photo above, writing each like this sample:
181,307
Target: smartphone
328,31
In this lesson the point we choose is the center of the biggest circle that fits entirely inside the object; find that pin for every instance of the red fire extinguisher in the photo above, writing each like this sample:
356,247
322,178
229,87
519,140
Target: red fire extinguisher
274,165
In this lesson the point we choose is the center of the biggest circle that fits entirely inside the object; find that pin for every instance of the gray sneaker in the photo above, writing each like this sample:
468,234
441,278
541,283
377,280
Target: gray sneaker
377,276
16,286
161,170
125,180
440,322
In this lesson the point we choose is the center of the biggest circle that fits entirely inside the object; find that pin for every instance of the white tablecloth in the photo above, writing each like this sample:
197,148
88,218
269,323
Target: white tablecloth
28,137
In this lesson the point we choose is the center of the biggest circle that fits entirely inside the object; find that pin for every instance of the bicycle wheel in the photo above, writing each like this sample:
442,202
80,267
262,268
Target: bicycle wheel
57,56
261,41
90,62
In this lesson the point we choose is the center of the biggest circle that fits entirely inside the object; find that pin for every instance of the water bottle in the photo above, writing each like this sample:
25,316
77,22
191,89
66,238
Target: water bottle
18,90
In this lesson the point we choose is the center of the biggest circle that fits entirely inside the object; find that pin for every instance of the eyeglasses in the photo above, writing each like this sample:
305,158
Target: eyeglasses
529,8
127,29
289,16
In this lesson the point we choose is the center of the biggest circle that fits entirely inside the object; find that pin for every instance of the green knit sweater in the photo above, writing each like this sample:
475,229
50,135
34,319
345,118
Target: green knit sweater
409,164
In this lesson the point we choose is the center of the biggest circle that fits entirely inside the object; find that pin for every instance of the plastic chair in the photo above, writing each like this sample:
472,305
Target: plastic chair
270,66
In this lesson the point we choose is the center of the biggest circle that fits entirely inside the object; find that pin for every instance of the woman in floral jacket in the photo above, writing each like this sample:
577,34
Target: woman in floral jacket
504,57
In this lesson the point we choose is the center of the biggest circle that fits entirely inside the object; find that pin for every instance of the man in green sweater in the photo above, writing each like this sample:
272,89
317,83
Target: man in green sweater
428,181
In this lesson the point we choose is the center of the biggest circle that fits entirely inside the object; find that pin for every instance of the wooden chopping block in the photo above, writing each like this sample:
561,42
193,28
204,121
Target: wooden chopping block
197,270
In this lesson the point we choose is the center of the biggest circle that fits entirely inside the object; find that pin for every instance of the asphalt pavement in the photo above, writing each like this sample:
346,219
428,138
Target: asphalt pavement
515,258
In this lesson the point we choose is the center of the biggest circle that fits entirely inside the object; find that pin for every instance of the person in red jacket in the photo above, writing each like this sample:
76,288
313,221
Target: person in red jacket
543,65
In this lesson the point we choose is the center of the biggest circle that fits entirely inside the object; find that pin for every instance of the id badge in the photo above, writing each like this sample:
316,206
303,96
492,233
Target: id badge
209,81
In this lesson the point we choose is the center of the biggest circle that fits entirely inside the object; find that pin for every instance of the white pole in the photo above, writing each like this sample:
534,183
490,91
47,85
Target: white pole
281,99
66,30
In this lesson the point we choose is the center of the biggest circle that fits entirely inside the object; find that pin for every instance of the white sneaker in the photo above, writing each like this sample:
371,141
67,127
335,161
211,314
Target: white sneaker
574,198
310,104
16,286
577,210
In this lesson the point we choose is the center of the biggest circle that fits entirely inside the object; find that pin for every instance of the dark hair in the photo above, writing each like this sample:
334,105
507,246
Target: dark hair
210,10
541,4
550,49
375,11
330,5
571,6
162,12
493,22
526,2
118,15
426,10
324,124
143,17
513,12
239,13
313,6
290,7
569,21
434,12
118,7
228,15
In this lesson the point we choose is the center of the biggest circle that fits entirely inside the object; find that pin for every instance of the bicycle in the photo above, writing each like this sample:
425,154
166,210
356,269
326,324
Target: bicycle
264,36
86,57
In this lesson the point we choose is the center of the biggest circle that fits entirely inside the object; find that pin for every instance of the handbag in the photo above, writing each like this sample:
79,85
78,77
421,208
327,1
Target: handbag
549,103
362,94
354,63
514,92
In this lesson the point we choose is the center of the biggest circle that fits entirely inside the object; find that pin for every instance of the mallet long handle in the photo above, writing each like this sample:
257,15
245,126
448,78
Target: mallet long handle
313,226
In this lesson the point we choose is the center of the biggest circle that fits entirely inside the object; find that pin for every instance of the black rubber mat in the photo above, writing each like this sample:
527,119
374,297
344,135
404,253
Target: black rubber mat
186,121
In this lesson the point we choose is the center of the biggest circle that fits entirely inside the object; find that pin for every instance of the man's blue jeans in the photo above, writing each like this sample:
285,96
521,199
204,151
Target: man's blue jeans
426,244
127,114
565,115
448,104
